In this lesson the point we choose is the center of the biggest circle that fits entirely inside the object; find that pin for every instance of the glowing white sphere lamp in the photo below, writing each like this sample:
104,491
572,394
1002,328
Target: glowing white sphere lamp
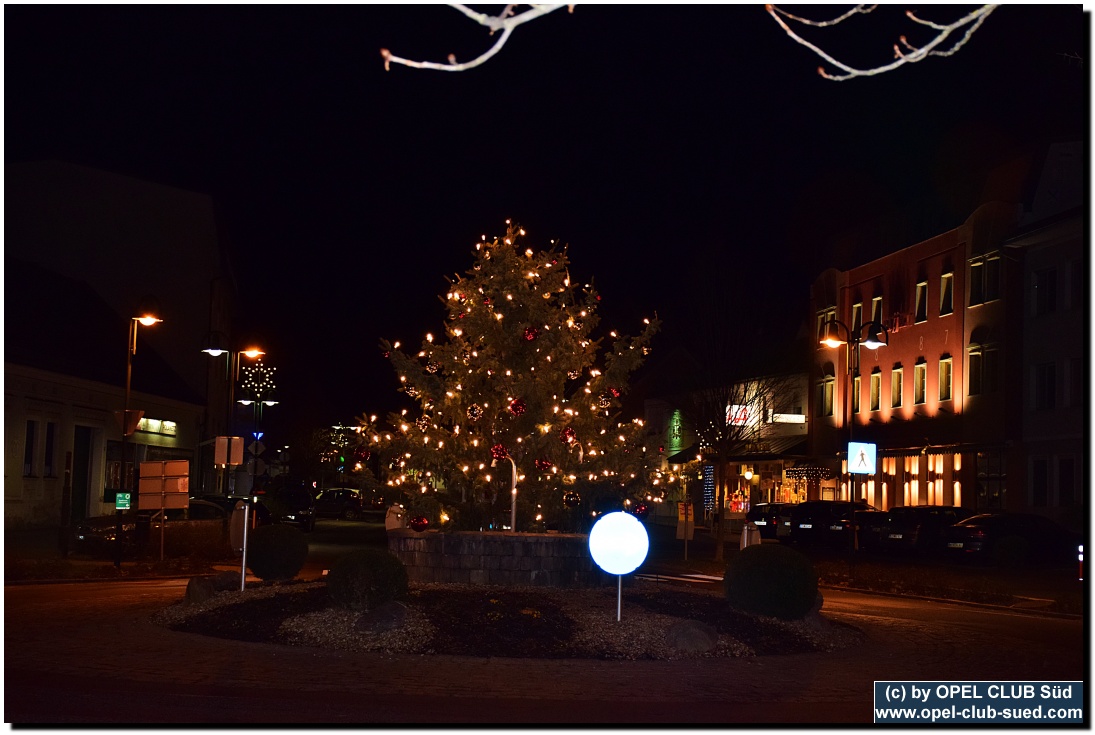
618,543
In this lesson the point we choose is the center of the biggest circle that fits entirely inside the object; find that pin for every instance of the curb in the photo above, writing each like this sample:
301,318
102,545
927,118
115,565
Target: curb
968,603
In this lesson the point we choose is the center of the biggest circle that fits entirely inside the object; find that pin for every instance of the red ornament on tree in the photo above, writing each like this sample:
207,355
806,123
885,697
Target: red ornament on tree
531,333
543,464
640,510
517,406
498,451
418,523
568,434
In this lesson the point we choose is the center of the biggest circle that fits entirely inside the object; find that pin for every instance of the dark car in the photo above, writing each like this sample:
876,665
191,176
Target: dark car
292,505
765,516
870,525
1011,538
341,502
825,522
141,529
227,503
919,528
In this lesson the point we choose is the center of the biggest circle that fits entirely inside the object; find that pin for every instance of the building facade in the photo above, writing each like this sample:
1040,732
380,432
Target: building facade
977,397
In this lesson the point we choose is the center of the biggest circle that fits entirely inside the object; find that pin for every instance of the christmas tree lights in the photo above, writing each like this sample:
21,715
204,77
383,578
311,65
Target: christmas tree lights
519,373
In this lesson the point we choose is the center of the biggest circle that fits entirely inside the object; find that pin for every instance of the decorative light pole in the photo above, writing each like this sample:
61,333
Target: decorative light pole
876,336
147,318
258,392
217,346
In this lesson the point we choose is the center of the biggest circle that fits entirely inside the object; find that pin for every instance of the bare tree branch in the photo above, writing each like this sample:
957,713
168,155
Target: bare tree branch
911,54
505,21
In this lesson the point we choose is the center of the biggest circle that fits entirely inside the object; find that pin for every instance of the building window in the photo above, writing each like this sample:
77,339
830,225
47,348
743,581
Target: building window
876,390
1066,482
857,316
895,387
856,382
921,302
823,318
984,285
825,397
1039,483
29,448
1045,386
1045,291
876,309
50,458
946,294
983,366
920,382
946,372
992,478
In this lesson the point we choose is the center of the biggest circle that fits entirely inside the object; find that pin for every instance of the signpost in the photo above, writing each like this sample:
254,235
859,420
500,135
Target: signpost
164,484
686,526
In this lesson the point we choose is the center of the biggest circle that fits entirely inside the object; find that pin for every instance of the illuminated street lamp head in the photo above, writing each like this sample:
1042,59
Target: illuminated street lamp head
832,336
252,352
216,344
876,337
148,320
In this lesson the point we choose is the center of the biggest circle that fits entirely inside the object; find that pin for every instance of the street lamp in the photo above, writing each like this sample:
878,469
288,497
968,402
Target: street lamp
147,318
217,345
852,339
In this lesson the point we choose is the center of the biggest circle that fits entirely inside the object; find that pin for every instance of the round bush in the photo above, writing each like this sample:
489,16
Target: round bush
276,553
366,578
773,580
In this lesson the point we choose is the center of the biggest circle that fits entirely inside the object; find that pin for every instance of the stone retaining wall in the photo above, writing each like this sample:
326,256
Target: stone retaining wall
497,558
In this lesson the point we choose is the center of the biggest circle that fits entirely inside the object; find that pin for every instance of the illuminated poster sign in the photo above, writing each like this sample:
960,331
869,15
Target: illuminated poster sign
861,458
740,415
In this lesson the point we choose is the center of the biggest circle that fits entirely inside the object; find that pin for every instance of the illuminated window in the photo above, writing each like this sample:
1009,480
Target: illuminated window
825,396
824,317
895,387
946,294
876,390
946,368
922,302
857,316
984,285
983,369
876,309
920,382
856,381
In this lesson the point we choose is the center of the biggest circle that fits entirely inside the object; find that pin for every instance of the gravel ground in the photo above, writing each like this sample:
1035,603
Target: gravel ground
507,621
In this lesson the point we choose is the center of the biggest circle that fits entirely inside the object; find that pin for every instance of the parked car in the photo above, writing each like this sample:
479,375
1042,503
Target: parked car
919,528
783,522
292,505
227,503
765,516
96,535
1011,538
341,502
871,526
827,522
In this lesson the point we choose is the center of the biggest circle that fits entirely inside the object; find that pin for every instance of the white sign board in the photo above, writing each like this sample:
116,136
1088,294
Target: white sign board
861,458
618,543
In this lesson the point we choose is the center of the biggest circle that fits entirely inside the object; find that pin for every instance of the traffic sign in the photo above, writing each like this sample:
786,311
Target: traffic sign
256,448
121,501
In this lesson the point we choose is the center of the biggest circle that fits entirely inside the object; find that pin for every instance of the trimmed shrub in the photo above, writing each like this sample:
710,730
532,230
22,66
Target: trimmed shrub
773,580
276,553
364,579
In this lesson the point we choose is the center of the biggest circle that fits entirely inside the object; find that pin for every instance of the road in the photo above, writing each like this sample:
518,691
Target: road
86,653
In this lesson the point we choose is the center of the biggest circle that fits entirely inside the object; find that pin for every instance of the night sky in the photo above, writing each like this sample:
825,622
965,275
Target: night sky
677,151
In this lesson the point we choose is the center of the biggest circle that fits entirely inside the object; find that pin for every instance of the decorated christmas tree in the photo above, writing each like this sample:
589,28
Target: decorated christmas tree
517,408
